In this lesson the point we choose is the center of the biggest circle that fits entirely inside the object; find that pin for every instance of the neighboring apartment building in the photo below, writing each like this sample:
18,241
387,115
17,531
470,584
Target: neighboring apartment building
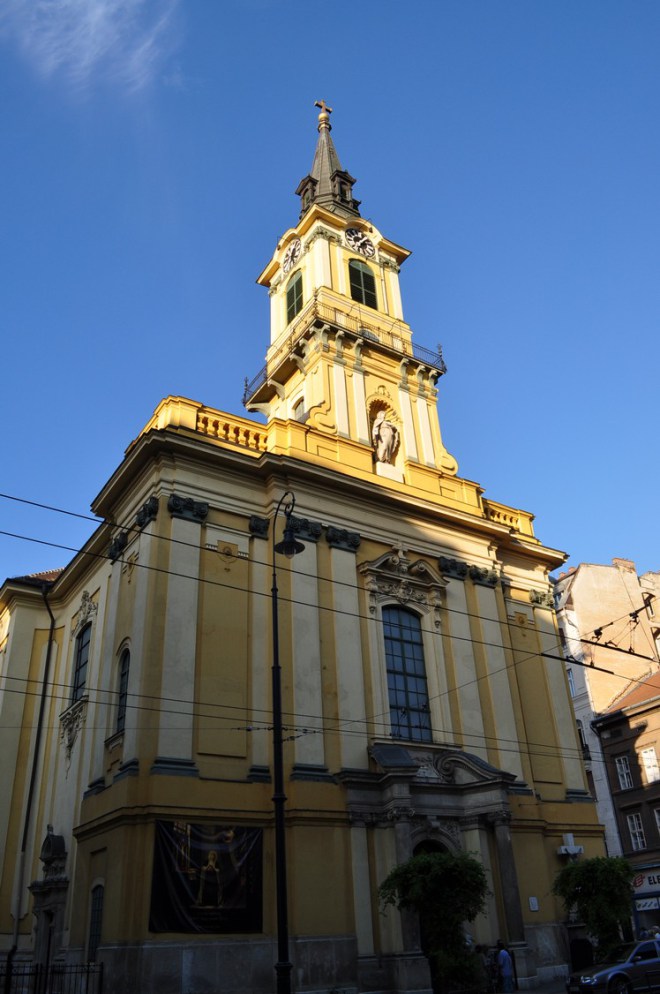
423,703
630,735
609,621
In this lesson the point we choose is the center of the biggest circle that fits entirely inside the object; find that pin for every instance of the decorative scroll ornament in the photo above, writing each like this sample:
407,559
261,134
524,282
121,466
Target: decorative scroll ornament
71,721
187,508
147,512
341,538
395,577
258,526
117,546
86,612
542,598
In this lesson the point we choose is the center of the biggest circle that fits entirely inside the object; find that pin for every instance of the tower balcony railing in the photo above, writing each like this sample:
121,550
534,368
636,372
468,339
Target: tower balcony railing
319,312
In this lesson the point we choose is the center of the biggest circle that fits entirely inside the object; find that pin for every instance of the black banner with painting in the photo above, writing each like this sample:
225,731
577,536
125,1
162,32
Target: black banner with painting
206,878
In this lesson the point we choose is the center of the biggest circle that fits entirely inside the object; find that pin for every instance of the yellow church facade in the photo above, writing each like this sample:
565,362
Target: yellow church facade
423,701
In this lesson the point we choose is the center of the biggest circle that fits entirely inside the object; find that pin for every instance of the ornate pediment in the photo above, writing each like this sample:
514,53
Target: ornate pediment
86,612
393,576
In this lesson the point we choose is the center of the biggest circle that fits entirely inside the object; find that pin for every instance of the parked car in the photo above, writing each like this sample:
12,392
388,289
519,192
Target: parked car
631,967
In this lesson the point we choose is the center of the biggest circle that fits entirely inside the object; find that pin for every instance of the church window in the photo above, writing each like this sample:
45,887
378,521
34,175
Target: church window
299,409
363,283
406,675
95,923
294,297
124,665
80,664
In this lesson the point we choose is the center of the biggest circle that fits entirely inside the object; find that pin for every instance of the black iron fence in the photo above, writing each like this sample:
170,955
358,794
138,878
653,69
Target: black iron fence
58,978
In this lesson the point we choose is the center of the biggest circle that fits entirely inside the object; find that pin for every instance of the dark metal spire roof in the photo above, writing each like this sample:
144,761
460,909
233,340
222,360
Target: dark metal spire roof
327,184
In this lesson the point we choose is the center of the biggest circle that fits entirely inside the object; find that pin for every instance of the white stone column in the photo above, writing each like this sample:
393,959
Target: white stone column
362,893
321,259
341,271
100,715
306,653
341,400
360,402
498,678
409,440
175,733
276,308
351,705
395,294
261,715
141,578
425,430
465,672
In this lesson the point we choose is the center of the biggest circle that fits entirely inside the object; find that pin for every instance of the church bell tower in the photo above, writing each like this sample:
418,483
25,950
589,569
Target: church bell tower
342,374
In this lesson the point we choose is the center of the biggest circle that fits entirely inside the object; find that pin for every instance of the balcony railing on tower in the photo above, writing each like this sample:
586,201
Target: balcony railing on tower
320,312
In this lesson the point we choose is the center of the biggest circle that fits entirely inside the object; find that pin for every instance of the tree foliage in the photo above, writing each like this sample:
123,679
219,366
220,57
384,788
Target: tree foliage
601,892
445,889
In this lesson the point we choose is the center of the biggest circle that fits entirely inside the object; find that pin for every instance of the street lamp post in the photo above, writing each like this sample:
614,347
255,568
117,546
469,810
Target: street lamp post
288,547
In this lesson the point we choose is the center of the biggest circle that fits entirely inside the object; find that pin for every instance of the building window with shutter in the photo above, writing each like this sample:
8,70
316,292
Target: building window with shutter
363,283
623,772
650,764
636,829
571,682
406,675
294,297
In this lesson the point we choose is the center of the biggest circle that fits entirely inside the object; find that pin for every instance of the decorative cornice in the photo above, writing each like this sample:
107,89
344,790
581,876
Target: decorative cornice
324,233
498,818
174,766
187,508
117,546
481,575
306,530
147,512
258,526
453,567
341,538
388,264
542,598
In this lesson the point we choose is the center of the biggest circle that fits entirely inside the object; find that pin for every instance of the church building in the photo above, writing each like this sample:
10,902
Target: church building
423,701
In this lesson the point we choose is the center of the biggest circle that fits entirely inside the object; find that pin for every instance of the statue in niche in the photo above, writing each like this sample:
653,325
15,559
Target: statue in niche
385,437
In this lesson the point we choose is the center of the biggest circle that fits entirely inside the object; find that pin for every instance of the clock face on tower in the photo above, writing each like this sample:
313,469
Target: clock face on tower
292,255
359,242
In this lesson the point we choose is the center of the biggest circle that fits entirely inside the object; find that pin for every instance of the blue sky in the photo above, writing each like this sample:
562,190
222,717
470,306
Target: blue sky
149,150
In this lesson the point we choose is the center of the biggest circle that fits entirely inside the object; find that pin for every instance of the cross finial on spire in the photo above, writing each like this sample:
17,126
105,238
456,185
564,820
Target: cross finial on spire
324,116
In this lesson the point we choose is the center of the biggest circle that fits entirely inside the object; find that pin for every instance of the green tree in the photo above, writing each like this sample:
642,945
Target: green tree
601,892
445,889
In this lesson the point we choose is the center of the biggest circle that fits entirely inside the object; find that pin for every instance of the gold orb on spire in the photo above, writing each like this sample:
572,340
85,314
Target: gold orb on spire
324,116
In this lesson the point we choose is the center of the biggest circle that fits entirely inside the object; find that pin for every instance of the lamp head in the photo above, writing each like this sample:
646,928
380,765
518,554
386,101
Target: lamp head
289,546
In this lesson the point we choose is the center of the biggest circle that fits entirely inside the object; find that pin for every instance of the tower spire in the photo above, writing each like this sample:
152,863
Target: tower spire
327,184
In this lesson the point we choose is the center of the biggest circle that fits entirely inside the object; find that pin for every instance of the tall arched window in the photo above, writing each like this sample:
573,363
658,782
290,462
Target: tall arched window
294,297
406,675
95,923
80,663
363,283
124,665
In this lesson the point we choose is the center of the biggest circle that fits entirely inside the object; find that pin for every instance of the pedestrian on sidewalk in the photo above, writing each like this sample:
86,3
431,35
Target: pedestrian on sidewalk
504,969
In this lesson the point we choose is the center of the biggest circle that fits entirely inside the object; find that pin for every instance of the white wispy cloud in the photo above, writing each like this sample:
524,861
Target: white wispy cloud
125,41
